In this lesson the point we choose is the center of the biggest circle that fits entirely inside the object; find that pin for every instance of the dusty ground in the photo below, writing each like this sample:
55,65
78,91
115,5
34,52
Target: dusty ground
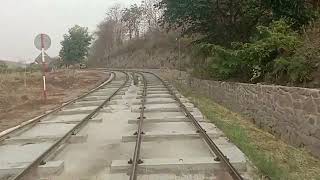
19,103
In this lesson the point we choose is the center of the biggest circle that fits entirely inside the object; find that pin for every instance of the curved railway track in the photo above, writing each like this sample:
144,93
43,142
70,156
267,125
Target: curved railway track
142,131
136,160
48,133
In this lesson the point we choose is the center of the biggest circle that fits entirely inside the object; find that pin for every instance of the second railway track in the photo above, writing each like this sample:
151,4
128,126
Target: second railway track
142,129
26,151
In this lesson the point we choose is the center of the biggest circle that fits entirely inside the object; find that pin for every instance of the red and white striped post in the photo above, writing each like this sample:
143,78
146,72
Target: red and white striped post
43,42
43,69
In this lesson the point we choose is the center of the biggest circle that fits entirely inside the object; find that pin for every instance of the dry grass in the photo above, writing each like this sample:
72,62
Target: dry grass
274,158
11,85
19,103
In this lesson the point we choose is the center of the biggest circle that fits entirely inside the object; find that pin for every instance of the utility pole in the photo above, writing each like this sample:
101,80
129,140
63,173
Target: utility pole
25,74
179,55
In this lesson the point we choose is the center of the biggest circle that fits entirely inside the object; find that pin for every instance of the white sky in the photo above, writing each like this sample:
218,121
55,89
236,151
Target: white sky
22,20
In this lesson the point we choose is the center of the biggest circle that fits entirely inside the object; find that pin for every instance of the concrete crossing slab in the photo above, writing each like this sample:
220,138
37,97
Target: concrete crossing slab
14,157
91,108
52,130
156,96
50,168
62,118
176,164
155,92
159,101
87,103
74,112
70,121
169,119
158,136
161,108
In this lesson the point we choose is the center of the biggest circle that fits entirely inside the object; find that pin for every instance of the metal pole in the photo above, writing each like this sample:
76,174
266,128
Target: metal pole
43,69
25,74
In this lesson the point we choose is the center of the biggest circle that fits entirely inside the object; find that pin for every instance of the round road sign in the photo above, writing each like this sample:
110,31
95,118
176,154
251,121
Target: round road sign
42,41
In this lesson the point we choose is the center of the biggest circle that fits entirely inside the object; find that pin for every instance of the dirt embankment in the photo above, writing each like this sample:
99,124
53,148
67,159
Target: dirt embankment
19,103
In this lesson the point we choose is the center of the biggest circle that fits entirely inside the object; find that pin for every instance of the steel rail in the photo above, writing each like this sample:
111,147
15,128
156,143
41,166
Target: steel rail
213,147
37,119
73,131
136,156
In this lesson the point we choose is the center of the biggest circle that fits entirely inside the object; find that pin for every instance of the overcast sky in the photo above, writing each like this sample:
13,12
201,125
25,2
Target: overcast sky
22,20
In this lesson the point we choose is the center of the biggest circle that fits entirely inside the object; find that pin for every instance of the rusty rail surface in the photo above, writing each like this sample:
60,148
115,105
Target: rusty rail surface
135,161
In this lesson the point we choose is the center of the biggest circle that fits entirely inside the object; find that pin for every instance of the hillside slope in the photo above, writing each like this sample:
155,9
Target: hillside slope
12,64
154,50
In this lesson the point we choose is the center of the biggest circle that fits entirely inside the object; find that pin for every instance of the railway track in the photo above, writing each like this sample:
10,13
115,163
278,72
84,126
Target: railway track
136,131
25,152
158,99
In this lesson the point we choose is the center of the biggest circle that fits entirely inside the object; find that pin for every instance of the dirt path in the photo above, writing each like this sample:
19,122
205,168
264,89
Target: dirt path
19,103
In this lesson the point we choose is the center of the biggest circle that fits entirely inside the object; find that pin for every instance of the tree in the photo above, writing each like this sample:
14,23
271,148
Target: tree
109,35
299,12
114,15
107,39
151,13
75,45
225,21
132,19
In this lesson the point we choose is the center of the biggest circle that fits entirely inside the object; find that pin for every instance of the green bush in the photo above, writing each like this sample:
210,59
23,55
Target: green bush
295,70
3,67
271,55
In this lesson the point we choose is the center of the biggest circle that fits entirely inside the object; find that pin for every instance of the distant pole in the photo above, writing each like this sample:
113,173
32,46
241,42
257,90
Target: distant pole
25,74
43,69
179,55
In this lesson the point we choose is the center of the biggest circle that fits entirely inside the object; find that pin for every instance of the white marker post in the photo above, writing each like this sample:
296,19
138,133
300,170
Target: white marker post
43,69
43,42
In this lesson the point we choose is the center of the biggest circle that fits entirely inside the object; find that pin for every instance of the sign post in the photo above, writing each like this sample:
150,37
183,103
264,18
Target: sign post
43,43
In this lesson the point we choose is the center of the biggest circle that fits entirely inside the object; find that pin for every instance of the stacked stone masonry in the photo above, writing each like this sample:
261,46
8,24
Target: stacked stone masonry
290,113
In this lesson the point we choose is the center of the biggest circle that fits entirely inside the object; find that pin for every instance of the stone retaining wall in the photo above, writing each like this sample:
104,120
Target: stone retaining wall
290,113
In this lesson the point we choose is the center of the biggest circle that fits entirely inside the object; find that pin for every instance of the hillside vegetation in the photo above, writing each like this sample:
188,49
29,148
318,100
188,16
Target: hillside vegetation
233,40
10,64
